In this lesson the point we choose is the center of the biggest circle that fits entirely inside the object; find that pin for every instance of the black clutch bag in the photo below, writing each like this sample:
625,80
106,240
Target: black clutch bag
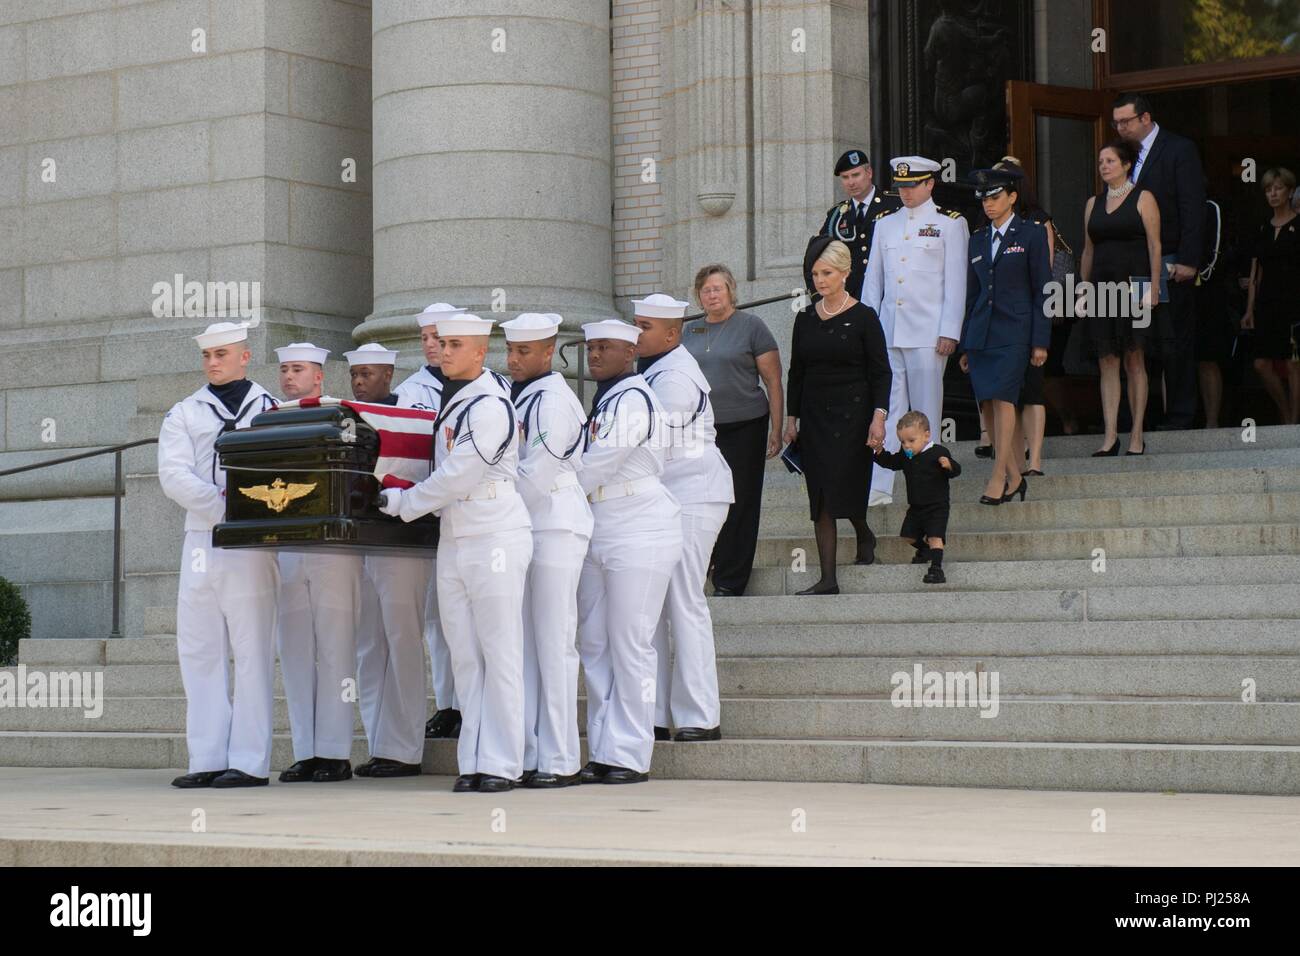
792,458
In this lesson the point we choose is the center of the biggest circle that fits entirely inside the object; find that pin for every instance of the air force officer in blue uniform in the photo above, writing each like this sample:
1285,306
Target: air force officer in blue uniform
1006,325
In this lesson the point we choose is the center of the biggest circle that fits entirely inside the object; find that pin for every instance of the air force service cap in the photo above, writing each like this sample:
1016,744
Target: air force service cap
990,182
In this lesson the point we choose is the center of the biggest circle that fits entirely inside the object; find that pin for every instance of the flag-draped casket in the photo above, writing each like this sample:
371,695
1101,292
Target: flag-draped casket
307,475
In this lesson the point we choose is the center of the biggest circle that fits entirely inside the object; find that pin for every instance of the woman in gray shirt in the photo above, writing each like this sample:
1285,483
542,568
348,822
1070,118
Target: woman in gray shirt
735,351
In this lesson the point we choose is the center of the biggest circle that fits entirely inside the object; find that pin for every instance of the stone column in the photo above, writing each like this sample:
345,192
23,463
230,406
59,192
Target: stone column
492,161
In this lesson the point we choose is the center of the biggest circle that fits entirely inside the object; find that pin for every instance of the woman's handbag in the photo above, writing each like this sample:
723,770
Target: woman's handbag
1063,264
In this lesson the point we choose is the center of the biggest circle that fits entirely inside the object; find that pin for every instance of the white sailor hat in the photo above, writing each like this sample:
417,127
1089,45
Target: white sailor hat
659,306
464,324
372,353
531,326
222,333
908,170
438,310
301,352
611,329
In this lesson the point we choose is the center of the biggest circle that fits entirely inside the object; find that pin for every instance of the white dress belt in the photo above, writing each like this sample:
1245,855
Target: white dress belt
623,489
498,488
565,479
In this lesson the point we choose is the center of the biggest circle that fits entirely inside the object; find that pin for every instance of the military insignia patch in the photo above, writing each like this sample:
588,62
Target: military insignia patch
929,232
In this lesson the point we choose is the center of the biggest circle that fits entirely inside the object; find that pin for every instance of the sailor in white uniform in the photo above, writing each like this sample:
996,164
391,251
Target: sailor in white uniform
317,622
226,599
485,545
423,389
551,427
391,681
636,543
916,283
698,477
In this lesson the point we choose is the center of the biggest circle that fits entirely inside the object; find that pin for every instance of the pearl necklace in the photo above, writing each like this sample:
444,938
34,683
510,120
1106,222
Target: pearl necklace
843,305
1113,193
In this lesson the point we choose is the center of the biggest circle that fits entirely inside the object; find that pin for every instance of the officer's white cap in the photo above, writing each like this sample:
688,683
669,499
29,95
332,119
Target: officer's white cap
659,306
611,329
912,169
372,353
531,326
464,324
301,352
222,333
434,313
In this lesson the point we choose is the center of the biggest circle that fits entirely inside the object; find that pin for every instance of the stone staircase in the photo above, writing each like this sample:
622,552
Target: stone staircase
1122,668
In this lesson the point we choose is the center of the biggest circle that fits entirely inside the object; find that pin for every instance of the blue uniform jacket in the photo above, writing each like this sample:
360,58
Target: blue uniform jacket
1005,297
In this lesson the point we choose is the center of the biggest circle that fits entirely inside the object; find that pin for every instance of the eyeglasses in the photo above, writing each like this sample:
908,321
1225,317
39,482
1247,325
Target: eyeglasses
1123,121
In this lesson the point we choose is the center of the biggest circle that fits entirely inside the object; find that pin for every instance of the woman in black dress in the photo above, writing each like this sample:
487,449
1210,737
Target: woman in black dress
1122,240
1273,297
837,398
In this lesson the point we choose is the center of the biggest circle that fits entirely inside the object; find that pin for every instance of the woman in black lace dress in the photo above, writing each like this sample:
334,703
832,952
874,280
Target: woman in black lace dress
1273,307
1122,229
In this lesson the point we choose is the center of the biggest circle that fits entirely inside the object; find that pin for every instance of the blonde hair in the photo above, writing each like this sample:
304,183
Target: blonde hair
837,256
1278,172
716,269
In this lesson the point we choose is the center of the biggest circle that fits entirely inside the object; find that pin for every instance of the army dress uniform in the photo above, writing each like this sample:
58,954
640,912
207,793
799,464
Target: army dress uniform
226,599
853,223
916,282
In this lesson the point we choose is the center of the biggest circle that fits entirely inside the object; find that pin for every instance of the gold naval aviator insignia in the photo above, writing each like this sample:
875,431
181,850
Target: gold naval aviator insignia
278,495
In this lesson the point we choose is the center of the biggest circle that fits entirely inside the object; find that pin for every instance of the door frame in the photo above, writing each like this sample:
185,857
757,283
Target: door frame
1027,101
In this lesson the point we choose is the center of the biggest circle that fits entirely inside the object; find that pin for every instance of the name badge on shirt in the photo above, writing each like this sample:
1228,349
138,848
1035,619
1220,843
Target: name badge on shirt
976,259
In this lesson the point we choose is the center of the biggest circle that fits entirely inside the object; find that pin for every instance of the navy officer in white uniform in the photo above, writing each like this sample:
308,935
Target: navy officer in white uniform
485,545
551,426
226,599
697,475
636,544
916,283
317,622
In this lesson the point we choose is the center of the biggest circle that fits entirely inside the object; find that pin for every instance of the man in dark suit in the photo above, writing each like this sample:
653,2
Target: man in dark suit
1169,166
853,221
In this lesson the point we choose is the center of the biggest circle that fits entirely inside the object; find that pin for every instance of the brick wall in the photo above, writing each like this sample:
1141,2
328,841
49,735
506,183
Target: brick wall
636,129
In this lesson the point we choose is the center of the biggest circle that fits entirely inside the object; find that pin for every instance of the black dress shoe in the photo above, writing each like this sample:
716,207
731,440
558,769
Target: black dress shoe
1142,452
724,592
383,767
866,553
983,451
443,724
922,556
330,771
525,777
1020,490
1110,452
365,769
552,781
687,734
593,772
237,778
466,783
300,772
820,588
934,576
663,733
203,778
490,784
624,775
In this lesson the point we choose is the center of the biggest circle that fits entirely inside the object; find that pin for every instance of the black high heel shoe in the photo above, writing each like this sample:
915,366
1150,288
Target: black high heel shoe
994,499
983,451
1019,491
867,554
1142,452
1110,452
819,588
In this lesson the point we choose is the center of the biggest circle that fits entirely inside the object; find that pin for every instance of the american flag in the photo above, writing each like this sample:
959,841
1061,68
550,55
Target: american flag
405,438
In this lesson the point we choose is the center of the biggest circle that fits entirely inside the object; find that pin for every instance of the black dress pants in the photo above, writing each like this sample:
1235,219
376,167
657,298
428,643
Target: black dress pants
744,447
